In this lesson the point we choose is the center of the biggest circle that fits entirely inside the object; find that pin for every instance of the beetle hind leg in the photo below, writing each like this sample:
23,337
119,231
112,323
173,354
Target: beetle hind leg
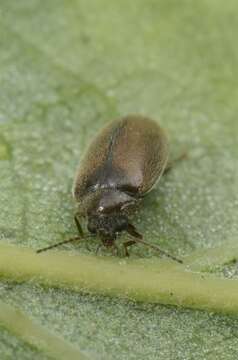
171,163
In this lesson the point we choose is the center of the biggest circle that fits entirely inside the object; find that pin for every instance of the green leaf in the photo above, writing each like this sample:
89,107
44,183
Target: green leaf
66,68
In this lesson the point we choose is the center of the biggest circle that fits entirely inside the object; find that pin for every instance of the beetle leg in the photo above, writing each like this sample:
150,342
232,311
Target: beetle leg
126,245
133,232
139,238
79,227
171,163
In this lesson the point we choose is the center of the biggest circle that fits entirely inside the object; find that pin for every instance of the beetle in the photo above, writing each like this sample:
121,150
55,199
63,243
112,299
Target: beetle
121,165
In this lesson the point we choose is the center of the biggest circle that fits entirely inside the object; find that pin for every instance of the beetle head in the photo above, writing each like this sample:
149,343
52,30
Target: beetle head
107,226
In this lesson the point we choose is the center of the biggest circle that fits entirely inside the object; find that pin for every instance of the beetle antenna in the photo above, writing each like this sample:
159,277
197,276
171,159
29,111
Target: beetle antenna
139,238
61,243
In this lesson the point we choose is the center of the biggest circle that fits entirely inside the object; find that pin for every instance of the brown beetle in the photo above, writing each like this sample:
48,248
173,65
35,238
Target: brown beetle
122,164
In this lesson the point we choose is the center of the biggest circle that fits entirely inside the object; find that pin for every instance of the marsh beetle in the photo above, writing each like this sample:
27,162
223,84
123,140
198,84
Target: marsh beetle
122,164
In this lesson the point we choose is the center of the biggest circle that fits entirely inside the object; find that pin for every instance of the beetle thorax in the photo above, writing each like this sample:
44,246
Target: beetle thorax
105,201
